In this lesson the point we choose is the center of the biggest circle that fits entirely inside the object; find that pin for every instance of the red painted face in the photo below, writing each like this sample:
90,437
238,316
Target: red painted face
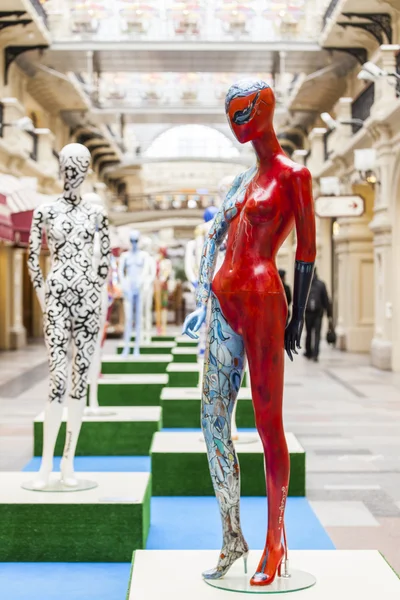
252,115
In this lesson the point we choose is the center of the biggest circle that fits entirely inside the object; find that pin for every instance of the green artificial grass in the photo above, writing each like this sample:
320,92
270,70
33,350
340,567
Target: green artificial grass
129,394
187,474
186,413
99,532
132,367
158,338
185,358
144,350
104,438
188,343
183,379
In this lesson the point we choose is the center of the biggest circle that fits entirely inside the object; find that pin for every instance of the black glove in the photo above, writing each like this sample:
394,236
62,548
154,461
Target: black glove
303,274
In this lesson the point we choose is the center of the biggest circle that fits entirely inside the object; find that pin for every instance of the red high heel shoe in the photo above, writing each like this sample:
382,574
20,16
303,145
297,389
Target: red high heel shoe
275,558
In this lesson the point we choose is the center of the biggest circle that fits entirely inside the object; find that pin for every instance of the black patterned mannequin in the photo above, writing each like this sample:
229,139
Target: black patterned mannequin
70,301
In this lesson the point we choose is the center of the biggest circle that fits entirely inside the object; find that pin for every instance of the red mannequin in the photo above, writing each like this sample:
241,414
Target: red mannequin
249,303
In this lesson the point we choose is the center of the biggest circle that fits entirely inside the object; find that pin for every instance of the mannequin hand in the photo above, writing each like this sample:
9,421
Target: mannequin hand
194,321
293,336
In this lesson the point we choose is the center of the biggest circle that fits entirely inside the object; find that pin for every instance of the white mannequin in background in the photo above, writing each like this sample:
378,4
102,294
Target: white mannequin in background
148,290
161,292
70,300
133,269
95,369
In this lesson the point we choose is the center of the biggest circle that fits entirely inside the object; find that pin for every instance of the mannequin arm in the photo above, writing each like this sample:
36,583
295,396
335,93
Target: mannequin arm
104,234
212,243
35,243
303,208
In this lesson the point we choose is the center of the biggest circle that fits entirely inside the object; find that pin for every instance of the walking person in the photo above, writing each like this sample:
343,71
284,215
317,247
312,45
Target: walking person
318,303
288,292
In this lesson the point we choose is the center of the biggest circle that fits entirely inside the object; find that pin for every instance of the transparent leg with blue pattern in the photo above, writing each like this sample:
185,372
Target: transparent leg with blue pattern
224,364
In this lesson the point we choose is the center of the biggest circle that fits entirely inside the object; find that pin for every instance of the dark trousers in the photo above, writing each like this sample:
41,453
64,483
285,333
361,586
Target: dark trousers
313,328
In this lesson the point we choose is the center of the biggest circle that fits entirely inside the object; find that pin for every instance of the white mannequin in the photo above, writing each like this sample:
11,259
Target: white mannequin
93,408
70,301
148,289
133,271
163,273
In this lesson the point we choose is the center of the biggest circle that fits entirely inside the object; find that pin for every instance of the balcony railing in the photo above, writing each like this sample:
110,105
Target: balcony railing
33,154
40,11
329,12
361,107
165,201
327,152
1,118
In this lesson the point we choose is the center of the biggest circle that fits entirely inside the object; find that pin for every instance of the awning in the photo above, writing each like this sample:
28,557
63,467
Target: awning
6,226
21,199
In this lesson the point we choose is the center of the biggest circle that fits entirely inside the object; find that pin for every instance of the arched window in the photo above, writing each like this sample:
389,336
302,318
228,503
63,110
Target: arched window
192,141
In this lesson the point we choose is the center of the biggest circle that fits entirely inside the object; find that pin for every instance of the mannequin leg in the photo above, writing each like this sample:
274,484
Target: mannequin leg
57,332
128,310
95,368
164,317
223,371
83,343
138,322
264,326
147,310
157,300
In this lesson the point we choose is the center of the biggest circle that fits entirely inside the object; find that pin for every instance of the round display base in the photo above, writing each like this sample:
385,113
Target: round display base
57,485
244,439
98,412
239,582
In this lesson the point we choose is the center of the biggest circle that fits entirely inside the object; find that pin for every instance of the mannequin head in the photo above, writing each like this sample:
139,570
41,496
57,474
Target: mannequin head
134,237
249,107
210,213
162,251
74,164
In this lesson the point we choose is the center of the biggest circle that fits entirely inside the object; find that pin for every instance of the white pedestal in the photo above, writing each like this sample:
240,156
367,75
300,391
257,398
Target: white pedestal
340,574
194,393
188,442
99,525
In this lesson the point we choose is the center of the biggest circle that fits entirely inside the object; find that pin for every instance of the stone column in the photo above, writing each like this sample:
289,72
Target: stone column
5,296
355,262
17,329
393,269
385,87
381,226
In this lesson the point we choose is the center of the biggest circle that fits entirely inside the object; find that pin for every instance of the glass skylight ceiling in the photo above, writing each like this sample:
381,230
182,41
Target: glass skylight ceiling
197,20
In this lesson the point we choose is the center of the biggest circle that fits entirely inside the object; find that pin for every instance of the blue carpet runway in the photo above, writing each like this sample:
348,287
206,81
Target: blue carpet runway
178,523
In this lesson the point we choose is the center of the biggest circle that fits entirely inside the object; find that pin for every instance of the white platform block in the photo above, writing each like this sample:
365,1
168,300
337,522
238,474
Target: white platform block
88,525
174,453
131,389
340,574
188,442
194,393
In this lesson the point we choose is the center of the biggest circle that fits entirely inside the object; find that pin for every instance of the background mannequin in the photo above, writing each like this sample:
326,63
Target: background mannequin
248,318
70,300
164,271
132,273
146,244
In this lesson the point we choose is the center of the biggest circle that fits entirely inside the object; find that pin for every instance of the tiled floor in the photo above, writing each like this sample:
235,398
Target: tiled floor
345,413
